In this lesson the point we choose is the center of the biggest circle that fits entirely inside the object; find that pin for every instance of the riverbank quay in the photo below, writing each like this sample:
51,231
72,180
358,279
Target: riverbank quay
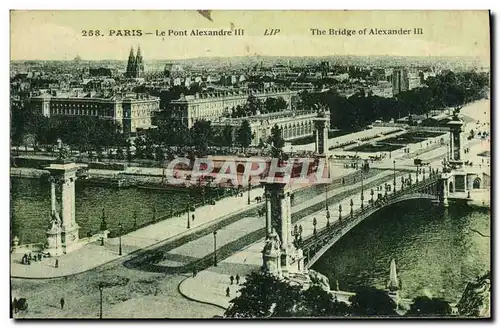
156,235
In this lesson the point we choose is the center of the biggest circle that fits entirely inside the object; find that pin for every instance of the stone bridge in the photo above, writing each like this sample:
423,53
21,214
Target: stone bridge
317,244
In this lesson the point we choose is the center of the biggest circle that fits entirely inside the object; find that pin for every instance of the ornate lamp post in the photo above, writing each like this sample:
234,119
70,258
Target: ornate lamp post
394,167
340,212
215,248
314,224
249,188
326,198
362,191
104,227
120,228
352,204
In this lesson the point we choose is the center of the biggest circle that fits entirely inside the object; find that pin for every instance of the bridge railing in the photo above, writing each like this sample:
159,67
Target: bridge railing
322,235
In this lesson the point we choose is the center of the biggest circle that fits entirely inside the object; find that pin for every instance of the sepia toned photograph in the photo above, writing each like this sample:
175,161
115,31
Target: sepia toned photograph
224,164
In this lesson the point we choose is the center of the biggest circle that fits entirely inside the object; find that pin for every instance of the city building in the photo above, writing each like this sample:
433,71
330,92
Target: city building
400,81
294,124
382,89
302,86
135,65
133,111
212,106
414,80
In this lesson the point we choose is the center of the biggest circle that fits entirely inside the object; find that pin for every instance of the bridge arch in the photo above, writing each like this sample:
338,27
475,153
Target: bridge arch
321,246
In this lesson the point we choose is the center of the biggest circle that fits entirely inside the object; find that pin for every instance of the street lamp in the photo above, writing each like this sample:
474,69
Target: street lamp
394,166
326,197
104,227
100,301
215,248
362,190
120,227
188,222
249,188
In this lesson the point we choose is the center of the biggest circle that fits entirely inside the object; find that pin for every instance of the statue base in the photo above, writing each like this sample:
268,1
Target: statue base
54,244
70,238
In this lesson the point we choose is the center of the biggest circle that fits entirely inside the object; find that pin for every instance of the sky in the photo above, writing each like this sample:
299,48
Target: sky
57,35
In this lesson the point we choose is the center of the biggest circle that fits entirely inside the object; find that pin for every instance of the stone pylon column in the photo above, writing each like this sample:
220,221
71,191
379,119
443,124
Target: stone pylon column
64,175
279,220
456,142
269,214
54,240
321,133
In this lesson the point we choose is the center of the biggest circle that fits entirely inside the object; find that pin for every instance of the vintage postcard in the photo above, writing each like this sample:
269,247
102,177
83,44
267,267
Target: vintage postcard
250,164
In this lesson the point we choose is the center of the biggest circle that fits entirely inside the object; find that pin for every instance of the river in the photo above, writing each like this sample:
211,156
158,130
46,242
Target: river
436,251
30,206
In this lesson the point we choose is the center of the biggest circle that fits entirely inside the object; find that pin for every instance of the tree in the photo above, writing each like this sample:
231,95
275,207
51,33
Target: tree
476,298
119,153
201,135
317,302
129,151
277,142
227,135
245,134
264,295
253,105
425,306
159,153
372,302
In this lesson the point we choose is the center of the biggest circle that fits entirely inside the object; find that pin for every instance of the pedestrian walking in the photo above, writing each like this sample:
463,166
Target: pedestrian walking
62,303
232,279
192,217
237,279
227,292
57,263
